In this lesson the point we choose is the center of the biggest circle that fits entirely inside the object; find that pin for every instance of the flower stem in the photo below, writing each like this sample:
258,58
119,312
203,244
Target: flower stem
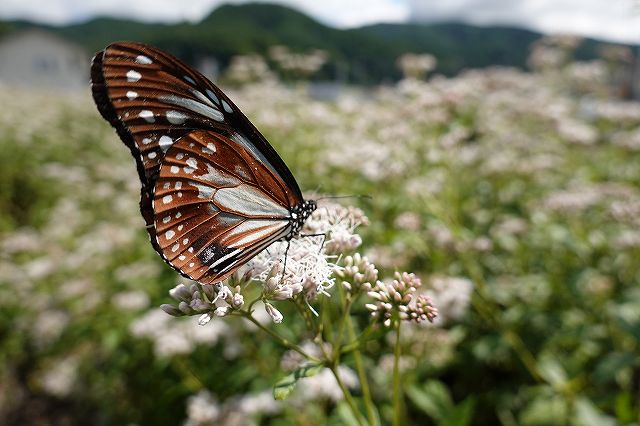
345,317
284,342
347,395
332,364
397,396
362,376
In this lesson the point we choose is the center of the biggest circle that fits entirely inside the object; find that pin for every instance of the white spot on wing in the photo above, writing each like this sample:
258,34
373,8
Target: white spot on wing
147,115
132,95
152,155
189,79
178,184
133,76
141,59
209,149
146,141
191,162
169,235
193,105
167,199
175,248
226,106
248,201
241,171
166,219
175,169
165,142
202,97
223,258
176,117
204,191
219,178
255,230
213,96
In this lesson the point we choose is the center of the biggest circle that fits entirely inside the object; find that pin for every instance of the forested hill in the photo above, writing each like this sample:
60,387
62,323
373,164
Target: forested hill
365,55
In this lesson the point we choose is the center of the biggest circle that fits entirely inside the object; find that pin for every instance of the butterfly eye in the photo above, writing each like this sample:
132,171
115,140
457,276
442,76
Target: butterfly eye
214,193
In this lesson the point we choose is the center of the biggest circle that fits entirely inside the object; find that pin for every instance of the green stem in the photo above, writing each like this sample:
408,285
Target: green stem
347,395
284,342
362,376
397,396
337,344
333,366
357,342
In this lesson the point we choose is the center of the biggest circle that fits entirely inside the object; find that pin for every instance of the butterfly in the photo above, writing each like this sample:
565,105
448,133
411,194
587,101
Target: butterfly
214,192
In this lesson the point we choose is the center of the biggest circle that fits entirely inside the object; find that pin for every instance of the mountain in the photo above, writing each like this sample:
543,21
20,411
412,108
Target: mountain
363,55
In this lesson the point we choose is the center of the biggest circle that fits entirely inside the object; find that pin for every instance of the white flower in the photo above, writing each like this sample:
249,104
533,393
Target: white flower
275,314
58,379
308,270
451,295
202,409
133,300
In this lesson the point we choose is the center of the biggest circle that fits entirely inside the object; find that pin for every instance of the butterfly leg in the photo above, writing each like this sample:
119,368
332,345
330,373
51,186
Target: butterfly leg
286,254
324,239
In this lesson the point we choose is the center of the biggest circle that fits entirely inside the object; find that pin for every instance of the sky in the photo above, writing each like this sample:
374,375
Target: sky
616,20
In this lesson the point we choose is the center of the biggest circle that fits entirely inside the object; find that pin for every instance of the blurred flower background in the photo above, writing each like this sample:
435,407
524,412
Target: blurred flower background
512,193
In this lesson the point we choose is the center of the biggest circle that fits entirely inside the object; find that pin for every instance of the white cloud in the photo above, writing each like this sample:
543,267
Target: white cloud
613,19
340,13
68,11
353,13
617,20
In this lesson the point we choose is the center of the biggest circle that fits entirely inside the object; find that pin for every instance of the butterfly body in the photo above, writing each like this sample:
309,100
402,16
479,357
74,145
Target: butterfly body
214,192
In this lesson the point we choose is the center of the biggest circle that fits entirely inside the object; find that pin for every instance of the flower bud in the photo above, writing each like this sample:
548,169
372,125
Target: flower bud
171,310
275,314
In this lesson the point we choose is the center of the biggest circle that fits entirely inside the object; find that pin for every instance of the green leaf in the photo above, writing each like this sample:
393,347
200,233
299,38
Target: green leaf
552,371
433,398
624,407
461,414
612,364
587,414
346,416
545,410
283,388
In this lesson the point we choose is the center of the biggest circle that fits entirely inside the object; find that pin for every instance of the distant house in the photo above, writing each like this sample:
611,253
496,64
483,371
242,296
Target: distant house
38,58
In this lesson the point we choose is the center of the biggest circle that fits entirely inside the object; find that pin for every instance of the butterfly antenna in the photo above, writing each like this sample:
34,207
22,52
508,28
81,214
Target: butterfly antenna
335,197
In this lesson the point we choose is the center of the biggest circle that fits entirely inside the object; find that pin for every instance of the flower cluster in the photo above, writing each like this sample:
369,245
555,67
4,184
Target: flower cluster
357,273
338,223
398,297
287,269
207,300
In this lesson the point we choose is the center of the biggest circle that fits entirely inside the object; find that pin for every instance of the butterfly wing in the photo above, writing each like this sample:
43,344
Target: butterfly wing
216,206
154,101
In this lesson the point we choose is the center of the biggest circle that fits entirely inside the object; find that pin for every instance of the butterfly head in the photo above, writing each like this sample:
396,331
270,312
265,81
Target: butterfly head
299,214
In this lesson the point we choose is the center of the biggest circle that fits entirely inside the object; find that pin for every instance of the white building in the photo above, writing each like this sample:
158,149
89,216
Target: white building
38,58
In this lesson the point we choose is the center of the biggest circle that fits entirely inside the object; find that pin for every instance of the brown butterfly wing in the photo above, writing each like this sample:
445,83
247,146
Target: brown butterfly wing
216,206
154,99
